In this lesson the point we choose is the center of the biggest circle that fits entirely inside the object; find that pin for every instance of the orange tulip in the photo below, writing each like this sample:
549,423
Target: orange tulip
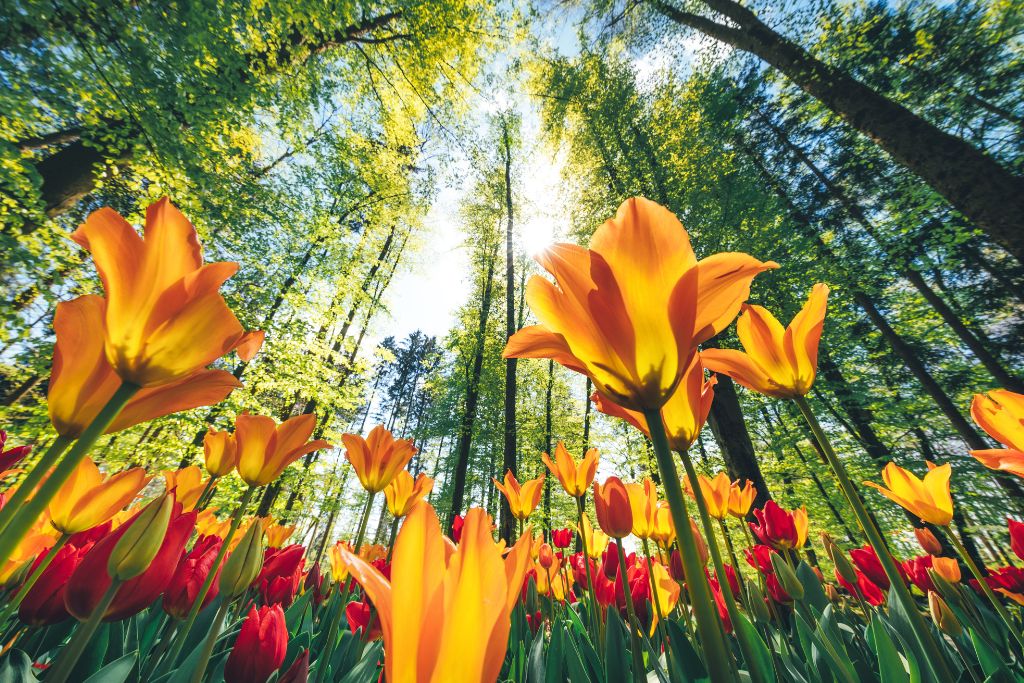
377,458
88,499
929,498
947,567
668,590
187,484
614,513
34,543
552,580
630,311
778,362
276,534
266,448
643,500
338,564
220,452
522,500
574,478
664,530
595,539
685,413
1001,414
403,493
446,612
82,380
164,318
741,497
716,493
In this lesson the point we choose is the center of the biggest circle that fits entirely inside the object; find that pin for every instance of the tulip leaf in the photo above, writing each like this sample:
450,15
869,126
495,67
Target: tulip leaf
293,615
94,655
690,663
16,667
366,668
616,659
814,595
116,671
535,660
890,665
764,657
991,663
577,672
553,671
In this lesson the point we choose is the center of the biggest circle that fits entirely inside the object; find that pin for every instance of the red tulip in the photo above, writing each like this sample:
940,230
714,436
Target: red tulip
781,529
916,569
90,580
675,566
865,588
534,621
776,591
44,603
723,610
281,574
579,570
188,578
614,513
561,538
730,576
760,558
610,560
298,672
12,456
457,525
1008,581
1016,537
867,561
359,616
314,581
260,648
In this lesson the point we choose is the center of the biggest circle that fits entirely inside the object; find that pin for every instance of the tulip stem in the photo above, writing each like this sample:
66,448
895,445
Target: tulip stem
83,634
236,520
46,461
592,608
639,671
717,658
657,600
206,495
394,533
27,514
209,642
936,659
364,522
746,647
1000,610
31,579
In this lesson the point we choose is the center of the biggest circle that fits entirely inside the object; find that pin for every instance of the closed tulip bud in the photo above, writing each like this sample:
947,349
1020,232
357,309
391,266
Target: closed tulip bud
243,564
790,583
926,539
260,648
943,616
831,593
698,540
545,556
843,565
561,538
946,567
756,601
135,550
614,513
298,672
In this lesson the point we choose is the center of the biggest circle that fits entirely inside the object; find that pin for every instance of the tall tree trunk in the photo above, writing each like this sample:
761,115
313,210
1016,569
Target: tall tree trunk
547,441
508,461
975,184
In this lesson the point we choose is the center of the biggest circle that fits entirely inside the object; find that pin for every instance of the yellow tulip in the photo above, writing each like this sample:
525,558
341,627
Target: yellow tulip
338,565
88,499
668,591
929,498
777,362
522,499
187,484
220,452
741,497
266,448
403,492
630,311
664,530
276,534
377,458
165,318
574,478
643,500
34,543
445,614
1001,414
595,539
553,580
716,493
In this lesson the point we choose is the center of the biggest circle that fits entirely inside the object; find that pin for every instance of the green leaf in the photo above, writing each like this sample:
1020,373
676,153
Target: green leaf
116,671
573,661
553,666
535,660
366,669
616,658
16,667
685,657
991,663
890,665
764,657
814,595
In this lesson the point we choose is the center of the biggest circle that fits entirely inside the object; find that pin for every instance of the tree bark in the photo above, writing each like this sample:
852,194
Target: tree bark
508,461
975,184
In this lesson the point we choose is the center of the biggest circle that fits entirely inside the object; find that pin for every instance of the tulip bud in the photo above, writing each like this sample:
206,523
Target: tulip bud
946,567
545,556
831,593
698,540
614,513
756,602
943,616
135,550
244,563
839,559
926,539
787,578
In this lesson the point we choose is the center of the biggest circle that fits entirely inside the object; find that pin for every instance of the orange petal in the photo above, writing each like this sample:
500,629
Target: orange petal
204,388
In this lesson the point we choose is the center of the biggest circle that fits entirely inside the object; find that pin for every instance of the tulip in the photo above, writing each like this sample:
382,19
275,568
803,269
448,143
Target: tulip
243,565
685,412
9,457
378,458
667,591
867,561
611,502
781,529
862,587
187,484
43,604
142,540
522,499
87,499
561,538
929,498
916,570
594,540
1001,414
266,448
545,557
164,317
298,672
276,534
1016,537
947,567
844,568
777,362
445,613
183,588
944,618
260,648
716,493
279,580
664,530
1007,581
630,311
787,577
403,492
220,452
574,477
643,501
33,544
339,568
458,521
741,497
926,539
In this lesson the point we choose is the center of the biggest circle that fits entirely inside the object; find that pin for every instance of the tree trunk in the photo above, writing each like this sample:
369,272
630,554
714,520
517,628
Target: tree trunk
547,441
985,192
508,461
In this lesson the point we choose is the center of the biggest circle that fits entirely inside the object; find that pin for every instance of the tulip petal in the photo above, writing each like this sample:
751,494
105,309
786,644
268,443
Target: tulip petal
204,388
725,280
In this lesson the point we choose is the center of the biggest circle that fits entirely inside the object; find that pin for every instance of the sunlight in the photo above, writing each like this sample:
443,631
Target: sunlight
537,234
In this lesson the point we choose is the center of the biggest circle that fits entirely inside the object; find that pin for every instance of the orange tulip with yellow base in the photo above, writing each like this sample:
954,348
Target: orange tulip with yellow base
188,485
403,493
1001,414
741,498
377,458
716,492
88,499
446,611
266,448
220,452
630,311
574,477
928,498
775,361
522,498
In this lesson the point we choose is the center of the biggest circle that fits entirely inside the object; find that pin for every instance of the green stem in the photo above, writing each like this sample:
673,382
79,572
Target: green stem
332,636
936,659
657,599
29,512
209,642
32,578
639,671
83,634
182,635
394,534
592,608
746,647
1000,610
363,523
206,495
716,655
28,484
